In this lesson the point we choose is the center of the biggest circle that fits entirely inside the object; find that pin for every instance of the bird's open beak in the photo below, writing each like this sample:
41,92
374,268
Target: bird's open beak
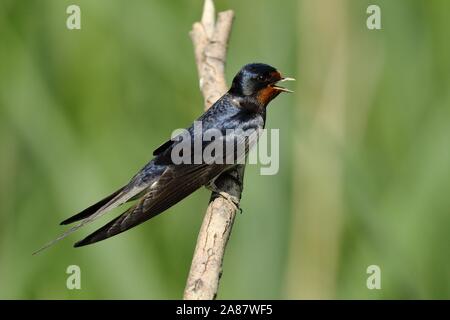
275,86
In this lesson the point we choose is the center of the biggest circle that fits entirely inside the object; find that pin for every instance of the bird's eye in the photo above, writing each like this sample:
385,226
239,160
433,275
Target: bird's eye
260,77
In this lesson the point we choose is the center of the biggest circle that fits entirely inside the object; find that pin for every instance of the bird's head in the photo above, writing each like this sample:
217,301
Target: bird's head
258,82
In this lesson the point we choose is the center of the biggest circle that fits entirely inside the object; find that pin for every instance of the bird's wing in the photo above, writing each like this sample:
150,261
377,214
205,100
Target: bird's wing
166,145
175,184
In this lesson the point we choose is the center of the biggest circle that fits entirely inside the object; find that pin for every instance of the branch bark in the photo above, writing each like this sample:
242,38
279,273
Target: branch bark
210,40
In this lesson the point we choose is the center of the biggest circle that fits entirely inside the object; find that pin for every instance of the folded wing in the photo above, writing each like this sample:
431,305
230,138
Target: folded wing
176,183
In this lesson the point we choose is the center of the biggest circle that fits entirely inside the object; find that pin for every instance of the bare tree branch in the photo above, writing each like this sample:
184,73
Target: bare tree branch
210,39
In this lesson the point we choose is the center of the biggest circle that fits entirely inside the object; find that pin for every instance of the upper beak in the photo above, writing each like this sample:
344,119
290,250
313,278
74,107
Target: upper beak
281,88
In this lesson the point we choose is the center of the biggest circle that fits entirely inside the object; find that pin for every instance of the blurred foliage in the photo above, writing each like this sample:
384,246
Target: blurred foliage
365,163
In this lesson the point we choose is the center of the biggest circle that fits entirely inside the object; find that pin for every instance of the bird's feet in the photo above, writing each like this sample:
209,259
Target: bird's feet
231,199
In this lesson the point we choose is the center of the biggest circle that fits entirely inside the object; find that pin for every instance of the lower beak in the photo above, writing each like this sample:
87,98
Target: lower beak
281,88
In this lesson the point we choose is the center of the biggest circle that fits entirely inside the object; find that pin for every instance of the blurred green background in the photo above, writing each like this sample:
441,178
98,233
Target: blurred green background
364,156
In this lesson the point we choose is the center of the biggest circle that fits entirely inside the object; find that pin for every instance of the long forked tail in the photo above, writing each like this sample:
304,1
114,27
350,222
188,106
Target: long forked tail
97,210
91,210
173,186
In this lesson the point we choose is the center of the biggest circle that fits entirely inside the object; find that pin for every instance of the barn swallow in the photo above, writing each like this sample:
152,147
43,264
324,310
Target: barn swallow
161,183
